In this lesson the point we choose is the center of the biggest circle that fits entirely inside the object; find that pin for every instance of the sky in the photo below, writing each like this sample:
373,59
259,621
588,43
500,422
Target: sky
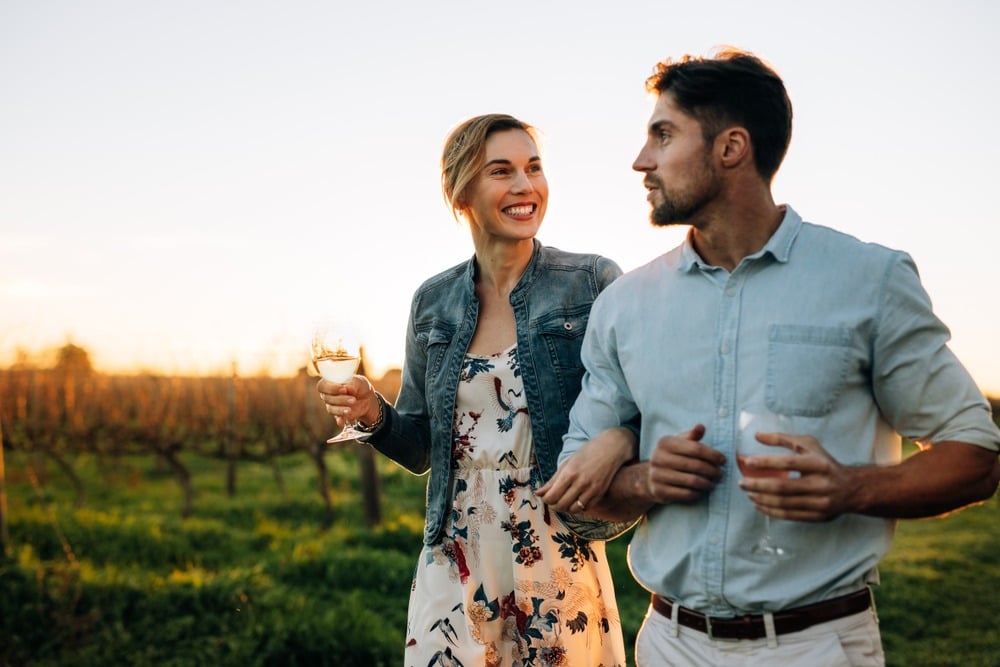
187,186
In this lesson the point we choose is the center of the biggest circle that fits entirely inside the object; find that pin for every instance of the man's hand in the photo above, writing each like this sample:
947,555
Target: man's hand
601,476
811,484
682,468
936,480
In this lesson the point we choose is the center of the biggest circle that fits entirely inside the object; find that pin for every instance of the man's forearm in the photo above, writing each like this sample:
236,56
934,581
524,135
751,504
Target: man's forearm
627,497
937,480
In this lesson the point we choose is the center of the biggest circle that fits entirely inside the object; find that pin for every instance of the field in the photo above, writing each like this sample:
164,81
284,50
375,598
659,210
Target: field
251,578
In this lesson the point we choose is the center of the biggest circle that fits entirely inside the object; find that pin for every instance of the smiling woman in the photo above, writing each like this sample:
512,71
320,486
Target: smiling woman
492,364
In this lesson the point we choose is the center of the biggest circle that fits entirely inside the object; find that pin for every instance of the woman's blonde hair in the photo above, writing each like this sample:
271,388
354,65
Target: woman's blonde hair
465,151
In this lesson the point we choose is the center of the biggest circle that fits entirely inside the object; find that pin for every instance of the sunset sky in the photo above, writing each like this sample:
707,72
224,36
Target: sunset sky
185,185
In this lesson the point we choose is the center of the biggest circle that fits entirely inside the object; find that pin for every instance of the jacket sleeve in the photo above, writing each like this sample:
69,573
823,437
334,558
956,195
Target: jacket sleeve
589,528
405,434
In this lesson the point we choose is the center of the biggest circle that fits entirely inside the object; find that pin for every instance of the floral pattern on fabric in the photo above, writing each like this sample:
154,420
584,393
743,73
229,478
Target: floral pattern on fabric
508,585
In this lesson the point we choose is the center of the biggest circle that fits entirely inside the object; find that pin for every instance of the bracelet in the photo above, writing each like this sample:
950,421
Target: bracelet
371,428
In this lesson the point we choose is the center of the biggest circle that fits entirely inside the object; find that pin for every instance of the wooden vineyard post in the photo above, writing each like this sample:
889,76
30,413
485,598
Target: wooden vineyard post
370,487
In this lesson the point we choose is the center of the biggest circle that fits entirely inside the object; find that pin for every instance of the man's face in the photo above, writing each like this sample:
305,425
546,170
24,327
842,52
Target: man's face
677,162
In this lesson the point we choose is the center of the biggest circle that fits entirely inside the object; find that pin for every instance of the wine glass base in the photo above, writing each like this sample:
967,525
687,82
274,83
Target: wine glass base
349,434
770,553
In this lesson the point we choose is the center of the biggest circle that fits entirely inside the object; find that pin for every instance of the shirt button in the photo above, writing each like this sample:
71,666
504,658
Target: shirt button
714,539
723,412
725,349
730,292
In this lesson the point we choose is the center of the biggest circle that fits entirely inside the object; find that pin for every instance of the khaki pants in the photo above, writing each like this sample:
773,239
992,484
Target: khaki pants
852,641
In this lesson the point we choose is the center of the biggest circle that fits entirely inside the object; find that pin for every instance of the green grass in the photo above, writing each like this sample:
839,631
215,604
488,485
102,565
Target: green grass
251,580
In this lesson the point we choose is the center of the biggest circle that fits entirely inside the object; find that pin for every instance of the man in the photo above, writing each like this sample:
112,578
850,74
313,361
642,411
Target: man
760,311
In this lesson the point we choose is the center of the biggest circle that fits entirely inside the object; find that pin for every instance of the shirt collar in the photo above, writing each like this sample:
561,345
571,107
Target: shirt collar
779,246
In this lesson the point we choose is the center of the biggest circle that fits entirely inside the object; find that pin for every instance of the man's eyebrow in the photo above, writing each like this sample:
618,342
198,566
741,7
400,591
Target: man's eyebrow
661,125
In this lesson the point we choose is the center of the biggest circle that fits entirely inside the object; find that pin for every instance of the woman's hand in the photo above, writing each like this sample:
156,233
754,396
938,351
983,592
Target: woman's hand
354,400
584,477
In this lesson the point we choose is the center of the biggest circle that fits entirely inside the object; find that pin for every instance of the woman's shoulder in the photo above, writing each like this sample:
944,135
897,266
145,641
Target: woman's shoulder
552,256
443,279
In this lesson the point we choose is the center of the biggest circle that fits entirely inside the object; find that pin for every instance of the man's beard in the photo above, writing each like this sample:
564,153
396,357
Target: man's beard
684,208
679,212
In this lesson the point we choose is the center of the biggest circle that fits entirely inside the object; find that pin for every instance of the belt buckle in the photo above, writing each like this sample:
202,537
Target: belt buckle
711,635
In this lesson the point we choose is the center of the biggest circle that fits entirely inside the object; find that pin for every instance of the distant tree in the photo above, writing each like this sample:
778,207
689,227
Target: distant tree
73,359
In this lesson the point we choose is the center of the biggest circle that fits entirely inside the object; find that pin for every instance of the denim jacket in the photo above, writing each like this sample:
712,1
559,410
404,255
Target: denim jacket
551,304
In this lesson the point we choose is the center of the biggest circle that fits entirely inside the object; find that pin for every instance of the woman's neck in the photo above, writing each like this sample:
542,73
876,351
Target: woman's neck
500,265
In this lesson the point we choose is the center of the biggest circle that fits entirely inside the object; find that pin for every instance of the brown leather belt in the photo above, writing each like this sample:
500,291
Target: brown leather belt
752,626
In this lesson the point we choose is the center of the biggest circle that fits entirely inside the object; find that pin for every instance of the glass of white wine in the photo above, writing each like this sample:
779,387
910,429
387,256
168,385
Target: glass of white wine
751,423
336,355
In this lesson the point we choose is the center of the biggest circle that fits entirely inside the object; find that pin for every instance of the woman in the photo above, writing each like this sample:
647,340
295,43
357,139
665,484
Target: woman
492,367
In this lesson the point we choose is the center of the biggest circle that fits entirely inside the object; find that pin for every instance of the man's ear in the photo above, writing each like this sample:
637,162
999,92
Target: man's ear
733,146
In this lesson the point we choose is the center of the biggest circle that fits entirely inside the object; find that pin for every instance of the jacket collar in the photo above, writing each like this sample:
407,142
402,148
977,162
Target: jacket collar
527,277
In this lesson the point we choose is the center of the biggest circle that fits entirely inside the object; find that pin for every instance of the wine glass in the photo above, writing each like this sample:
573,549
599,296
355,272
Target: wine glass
336,355
751,423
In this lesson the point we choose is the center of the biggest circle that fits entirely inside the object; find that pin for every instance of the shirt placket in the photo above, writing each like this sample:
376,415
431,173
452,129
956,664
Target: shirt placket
723,431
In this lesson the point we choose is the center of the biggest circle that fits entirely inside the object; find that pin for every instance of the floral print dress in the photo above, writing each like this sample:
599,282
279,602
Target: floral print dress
508,585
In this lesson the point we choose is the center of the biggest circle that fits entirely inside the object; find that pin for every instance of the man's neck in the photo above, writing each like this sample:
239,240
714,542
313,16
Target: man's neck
737,230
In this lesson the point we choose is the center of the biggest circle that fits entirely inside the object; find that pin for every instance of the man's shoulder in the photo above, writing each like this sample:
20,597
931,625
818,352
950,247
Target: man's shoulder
816,242
816,233
634,285
668,263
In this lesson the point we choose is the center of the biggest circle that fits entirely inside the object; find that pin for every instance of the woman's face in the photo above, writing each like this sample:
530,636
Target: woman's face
509,194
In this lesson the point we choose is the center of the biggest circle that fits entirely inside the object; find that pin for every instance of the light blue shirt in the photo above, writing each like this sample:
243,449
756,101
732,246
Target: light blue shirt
836,334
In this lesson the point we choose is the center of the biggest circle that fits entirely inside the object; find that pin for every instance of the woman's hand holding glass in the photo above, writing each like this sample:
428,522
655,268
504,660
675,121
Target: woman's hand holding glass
350,402
336,356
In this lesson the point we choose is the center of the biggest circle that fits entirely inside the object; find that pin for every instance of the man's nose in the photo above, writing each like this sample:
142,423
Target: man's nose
643,162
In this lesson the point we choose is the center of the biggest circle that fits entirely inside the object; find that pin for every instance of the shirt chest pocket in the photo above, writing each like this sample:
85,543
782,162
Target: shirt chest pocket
807,368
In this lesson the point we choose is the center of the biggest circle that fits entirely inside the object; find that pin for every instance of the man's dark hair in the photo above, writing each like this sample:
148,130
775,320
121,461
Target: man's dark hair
732,87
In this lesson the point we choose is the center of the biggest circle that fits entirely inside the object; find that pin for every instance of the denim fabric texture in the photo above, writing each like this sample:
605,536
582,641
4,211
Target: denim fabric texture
551,303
